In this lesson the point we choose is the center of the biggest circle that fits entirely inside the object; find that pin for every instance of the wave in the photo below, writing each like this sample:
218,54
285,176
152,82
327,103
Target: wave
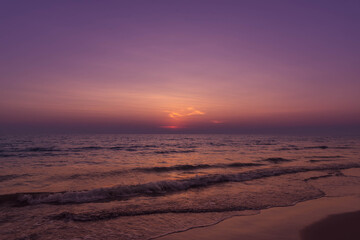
34,154
217,144
196,166
4,155
125,211
320,160
41,149
12,176
86,148
126,147
277,160
337,156
146,148
107,215
315,147
184,167
174,151
263,143
334,173
293,147
288,148
123,192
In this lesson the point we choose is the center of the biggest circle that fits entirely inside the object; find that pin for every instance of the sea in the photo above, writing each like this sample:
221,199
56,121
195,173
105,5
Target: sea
144,186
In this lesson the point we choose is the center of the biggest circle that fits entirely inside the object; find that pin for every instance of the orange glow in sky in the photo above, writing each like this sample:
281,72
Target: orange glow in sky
170,127
190,111
240,65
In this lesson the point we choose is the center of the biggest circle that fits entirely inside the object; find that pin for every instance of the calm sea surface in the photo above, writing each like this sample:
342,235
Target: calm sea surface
144,186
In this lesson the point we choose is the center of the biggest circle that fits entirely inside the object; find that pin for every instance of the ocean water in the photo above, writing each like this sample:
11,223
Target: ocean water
146,186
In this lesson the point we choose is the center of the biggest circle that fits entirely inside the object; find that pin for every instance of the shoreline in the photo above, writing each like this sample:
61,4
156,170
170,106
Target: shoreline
287,223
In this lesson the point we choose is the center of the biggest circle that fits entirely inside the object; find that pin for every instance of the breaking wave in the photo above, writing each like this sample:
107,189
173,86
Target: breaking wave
165,187
106,215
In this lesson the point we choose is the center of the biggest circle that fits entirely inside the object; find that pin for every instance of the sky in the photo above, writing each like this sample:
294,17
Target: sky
179,66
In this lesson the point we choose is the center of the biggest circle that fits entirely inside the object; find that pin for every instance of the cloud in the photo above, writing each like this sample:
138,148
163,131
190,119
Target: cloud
190,111
175,115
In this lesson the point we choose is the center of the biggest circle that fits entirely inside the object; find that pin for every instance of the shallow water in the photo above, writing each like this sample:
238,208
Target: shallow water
143,186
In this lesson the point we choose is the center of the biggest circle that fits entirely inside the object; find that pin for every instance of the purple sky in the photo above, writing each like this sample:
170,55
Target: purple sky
179,66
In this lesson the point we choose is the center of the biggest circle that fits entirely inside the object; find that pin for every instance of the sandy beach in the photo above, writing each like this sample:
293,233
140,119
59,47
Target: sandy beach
324,218
337,226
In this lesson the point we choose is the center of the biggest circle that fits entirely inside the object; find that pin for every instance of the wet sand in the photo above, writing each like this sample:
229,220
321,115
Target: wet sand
305,220
338,226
